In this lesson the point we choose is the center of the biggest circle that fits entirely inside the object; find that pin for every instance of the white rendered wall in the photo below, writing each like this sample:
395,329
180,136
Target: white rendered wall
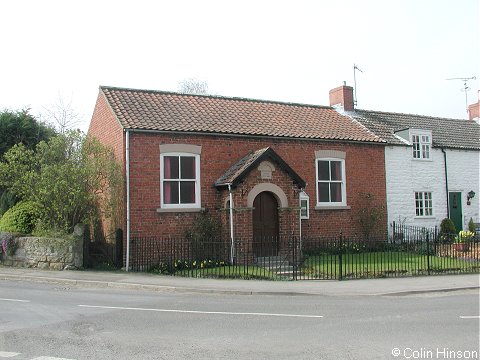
405,176
463,176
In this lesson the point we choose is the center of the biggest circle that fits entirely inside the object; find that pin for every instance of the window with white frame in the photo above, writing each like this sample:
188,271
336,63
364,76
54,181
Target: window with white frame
180,180
421,146
304,205
423,203
331,190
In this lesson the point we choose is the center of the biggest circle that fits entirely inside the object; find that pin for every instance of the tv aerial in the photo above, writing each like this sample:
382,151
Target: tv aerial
355,69
465,87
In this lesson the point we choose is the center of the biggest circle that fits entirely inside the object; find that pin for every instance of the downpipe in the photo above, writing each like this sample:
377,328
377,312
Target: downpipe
232,249
446,180
127,171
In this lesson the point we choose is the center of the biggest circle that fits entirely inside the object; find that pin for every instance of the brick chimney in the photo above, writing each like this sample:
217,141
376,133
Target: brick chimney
474,111
342,97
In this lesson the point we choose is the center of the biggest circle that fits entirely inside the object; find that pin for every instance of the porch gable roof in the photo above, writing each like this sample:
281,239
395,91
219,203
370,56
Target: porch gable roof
237,172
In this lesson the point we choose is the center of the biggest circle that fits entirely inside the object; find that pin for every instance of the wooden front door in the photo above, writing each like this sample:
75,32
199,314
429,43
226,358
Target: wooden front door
455,204
265,225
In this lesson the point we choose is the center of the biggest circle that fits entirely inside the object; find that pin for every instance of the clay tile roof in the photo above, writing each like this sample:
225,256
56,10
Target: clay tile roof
240,170
168,111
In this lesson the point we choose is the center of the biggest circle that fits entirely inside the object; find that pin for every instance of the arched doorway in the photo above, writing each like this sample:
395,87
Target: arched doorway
265,225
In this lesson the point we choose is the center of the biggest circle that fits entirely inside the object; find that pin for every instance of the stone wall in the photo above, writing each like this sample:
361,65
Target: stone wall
42,253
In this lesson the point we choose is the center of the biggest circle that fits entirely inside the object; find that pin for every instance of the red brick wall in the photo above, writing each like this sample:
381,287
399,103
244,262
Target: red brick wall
364,173
105,127
342,95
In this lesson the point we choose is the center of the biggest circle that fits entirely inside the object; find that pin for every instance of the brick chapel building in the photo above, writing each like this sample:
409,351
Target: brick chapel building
264,168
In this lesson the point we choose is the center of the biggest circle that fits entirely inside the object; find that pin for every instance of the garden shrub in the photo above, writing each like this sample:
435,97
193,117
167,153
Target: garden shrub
8,246
448,231
447,226
471,226
160,268
205,237
21,218
7,200
369,215
464,236
73,178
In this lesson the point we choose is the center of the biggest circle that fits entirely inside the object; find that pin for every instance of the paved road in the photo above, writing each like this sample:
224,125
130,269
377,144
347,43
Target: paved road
45,321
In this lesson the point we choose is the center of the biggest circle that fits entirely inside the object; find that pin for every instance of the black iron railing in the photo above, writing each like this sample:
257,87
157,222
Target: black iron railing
407,252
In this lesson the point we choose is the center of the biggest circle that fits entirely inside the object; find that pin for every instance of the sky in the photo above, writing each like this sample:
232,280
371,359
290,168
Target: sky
291,51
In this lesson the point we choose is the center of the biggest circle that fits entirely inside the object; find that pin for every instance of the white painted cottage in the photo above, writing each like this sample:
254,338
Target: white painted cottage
432,164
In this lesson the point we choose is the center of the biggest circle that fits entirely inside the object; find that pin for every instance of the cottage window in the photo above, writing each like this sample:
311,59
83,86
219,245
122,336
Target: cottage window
423,204
421,146
180,180
331,190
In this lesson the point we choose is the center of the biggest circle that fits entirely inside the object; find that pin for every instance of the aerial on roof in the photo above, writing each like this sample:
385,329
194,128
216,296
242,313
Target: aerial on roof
448,133
169,111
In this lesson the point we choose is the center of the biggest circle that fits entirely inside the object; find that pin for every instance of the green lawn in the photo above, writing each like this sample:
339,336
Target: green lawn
231,272
353,266
382,264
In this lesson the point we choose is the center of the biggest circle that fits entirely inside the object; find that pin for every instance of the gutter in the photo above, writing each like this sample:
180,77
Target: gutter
177,132
127,171
446,180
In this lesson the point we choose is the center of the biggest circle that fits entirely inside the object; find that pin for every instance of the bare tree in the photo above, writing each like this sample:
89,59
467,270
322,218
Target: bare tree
62,115
193,86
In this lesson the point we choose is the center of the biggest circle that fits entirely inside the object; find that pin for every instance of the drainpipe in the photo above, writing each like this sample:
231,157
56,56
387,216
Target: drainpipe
300,221
446,180
232,253
300,217
127,170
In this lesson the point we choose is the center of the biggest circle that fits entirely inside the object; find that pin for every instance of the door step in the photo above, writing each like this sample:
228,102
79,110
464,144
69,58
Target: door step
275,264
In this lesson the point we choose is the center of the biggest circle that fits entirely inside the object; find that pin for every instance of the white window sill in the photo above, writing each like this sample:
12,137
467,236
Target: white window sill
179,210
426,160
333,207
424,217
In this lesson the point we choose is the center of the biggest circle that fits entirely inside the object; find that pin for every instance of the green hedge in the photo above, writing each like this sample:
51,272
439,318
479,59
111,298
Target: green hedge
21,218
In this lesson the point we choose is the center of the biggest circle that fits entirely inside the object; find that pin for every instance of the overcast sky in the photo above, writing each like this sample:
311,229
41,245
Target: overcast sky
293,51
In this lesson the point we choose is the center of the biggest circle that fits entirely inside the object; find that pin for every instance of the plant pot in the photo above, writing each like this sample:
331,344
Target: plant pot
461,246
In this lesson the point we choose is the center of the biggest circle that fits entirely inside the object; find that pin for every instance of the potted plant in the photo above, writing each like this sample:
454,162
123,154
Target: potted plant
462,240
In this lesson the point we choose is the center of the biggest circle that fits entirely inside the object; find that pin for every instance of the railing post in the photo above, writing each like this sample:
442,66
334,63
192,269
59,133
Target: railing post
428,252
294,243
394,232
340,270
